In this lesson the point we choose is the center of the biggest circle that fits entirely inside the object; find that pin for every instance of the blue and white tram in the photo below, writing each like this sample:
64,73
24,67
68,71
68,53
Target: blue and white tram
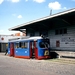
33,47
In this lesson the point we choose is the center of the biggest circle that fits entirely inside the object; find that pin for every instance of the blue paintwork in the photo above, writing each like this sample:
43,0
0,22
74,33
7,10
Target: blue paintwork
26,51
41,51
22,51
8,49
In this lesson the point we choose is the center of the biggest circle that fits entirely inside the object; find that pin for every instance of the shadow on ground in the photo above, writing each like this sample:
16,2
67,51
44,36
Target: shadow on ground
53,55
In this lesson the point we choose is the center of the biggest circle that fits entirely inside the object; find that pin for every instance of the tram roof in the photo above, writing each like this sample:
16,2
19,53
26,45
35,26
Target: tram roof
25,38
66,16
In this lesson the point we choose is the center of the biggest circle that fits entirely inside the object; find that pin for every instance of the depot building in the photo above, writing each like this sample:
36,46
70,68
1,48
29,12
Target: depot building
4,41
59,28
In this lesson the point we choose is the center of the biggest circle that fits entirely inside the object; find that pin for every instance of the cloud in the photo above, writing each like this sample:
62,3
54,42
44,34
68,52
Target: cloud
65,8
39,1
15,1
73,0
19,16
1,1
54,5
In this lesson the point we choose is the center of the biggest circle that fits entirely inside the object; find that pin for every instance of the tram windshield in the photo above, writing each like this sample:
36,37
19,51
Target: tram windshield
44,44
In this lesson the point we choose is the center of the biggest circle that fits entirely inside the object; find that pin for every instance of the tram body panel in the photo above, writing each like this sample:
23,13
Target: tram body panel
36,49
11,49
22,52
43,49
29,48
33,49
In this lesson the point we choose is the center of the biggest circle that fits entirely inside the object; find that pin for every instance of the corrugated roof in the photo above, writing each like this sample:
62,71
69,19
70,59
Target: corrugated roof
44,18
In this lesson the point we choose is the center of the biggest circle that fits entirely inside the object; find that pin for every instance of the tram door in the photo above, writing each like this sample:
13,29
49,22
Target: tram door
11,49
33,49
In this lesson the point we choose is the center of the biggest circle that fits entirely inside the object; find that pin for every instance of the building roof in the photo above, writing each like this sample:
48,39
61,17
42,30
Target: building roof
60,15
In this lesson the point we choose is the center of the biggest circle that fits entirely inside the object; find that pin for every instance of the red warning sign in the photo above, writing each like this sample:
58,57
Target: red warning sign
2,38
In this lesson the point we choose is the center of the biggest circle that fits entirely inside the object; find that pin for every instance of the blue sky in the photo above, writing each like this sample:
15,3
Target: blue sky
16,12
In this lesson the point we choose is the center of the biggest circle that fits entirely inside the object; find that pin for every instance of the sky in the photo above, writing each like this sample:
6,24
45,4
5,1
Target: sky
16,12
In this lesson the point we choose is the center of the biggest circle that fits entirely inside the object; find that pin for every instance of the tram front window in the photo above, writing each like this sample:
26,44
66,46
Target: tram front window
44,44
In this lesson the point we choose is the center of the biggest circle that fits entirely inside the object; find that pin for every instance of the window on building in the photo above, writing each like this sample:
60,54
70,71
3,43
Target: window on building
65,31
61,31
56,32
58,43
44,33
32,34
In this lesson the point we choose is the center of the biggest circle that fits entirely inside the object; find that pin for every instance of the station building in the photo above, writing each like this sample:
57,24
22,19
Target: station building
5,38
59,28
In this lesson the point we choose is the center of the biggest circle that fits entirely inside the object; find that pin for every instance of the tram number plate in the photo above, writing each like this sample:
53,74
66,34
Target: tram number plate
46,52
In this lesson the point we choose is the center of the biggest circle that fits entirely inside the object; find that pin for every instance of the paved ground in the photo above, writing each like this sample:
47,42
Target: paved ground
17,66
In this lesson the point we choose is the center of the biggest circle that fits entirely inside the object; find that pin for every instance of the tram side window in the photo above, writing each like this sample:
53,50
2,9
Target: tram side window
42,45
17,45
25,44
20,44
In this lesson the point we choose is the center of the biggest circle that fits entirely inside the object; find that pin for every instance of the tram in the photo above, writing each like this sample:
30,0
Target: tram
32,47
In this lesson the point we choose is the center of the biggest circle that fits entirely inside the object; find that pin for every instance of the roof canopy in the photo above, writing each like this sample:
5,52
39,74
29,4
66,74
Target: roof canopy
66,18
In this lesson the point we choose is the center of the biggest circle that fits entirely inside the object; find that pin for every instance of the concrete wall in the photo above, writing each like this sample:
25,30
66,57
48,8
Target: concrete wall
6,37
67,41
4,40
